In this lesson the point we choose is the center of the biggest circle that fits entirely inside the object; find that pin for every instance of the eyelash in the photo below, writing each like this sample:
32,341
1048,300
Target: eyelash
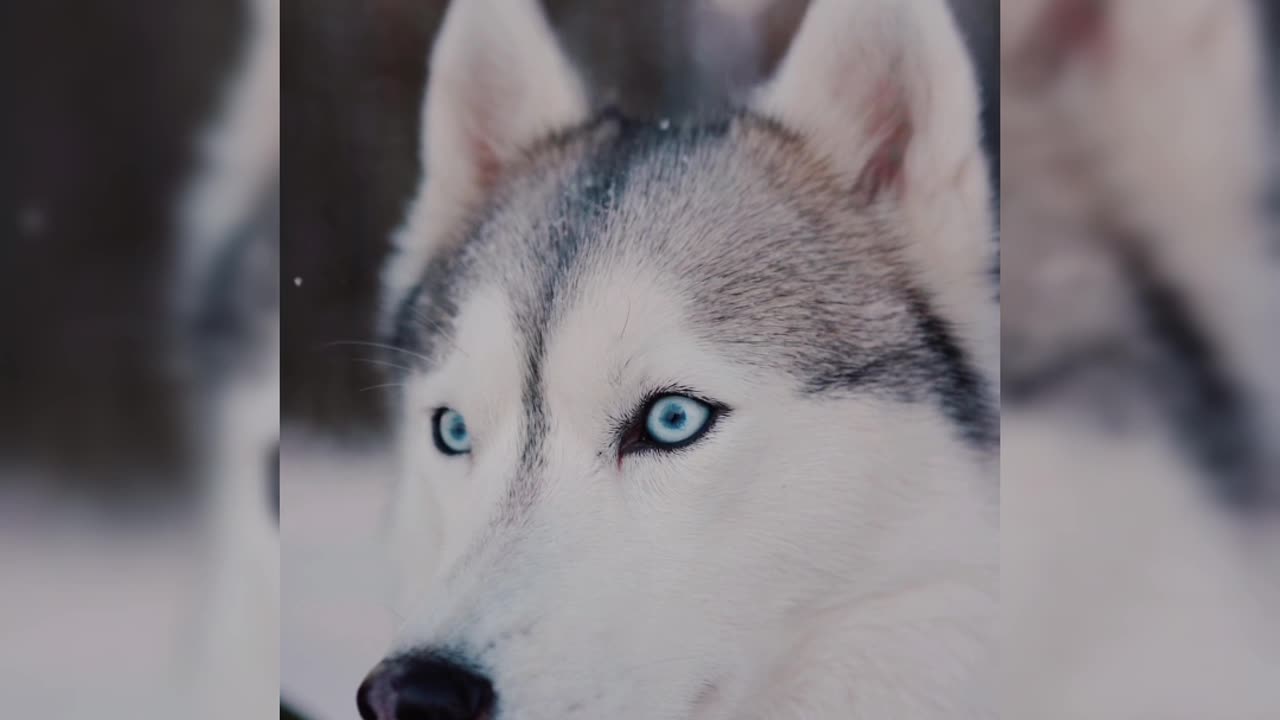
632,437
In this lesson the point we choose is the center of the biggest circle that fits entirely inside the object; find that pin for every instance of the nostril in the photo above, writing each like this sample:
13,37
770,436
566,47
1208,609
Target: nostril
424,688
374,697
435,689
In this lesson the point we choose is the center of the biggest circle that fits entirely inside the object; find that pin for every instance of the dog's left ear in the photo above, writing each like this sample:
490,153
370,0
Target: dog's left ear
498,83
884,91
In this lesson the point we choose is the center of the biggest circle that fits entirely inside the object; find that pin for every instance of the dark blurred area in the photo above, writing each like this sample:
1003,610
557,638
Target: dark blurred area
138,348
101,103
353,77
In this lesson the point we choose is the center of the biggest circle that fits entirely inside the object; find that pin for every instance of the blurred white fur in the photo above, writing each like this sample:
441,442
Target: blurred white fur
233,653
1128,593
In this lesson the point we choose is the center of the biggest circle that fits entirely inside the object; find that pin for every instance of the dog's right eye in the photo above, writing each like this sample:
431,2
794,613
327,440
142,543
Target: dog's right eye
668,421
676,420
449,430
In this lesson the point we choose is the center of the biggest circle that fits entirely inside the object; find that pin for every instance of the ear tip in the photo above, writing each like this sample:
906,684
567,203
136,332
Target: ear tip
481,23
495,47
874,83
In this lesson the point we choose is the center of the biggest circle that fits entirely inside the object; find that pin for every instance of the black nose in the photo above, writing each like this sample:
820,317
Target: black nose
424,688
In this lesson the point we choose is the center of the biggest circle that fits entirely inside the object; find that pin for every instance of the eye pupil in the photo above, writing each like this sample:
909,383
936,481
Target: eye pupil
677,420
450,432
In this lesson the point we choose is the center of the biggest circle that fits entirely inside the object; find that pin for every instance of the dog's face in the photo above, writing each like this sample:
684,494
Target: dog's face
684,405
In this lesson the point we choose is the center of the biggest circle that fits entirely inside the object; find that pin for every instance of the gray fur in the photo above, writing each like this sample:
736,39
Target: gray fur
1150,362
780,265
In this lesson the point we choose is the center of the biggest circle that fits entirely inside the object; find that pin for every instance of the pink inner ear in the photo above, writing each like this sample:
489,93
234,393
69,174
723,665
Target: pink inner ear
1073,24
483,157
484,103
890,127
484,130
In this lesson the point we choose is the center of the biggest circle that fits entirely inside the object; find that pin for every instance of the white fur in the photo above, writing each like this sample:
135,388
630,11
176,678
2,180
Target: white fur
1167,111
235,672
1127,593
498,82
812,558
238,155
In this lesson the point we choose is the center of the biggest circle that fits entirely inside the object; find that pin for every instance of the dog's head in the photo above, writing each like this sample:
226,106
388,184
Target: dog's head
688,403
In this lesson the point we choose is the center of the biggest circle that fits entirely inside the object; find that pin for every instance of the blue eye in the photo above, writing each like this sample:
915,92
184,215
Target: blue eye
449,430
676,420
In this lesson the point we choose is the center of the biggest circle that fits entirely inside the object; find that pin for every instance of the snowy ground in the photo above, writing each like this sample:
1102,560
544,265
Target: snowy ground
334,622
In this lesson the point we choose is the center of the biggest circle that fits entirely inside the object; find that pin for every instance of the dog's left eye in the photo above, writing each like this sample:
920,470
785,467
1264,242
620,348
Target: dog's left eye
449,430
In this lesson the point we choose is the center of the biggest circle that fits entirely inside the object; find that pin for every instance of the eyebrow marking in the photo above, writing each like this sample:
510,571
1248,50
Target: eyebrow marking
962,392
591,193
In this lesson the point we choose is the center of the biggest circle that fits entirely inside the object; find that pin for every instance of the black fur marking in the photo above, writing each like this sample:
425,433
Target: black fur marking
1210,415
962,392
836,313
243,280
1033,384
425,319
931,362
581,209
406,332
885,370
1164,367
523,488
585,200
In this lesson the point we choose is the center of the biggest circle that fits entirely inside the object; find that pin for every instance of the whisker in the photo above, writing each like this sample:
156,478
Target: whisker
384,363
439,329
390,608
380,346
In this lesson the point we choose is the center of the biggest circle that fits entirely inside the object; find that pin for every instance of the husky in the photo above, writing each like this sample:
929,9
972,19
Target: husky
1139,355
697,419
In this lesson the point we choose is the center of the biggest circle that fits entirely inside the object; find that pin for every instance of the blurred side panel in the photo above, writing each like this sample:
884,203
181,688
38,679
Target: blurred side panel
1140,347
139,358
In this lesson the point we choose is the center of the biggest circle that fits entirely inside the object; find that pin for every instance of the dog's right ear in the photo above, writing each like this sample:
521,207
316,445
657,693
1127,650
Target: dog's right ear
498,82
883,90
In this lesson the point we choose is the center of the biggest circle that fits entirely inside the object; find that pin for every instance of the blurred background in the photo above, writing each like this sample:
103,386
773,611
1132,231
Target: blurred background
1140,422
167,303
139,356
102,104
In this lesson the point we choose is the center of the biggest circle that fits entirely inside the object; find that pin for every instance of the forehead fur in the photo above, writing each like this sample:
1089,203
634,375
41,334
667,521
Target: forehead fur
777,263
